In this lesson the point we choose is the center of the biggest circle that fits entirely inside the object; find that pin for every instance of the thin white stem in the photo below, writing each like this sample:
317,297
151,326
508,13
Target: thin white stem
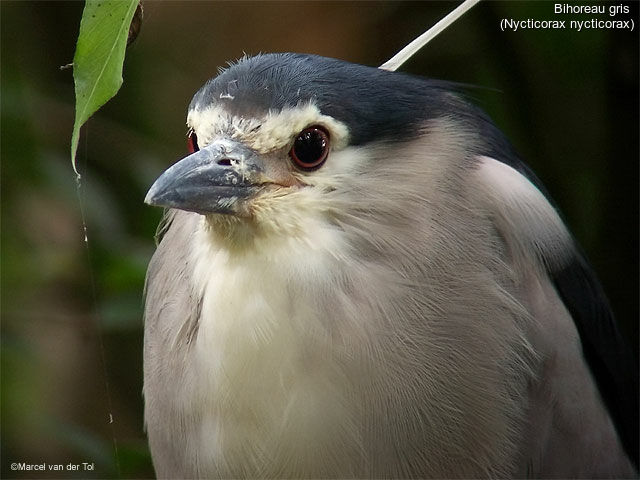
407,52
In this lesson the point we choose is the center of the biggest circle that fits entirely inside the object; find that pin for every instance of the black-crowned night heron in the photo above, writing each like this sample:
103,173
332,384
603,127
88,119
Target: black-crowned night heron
359,278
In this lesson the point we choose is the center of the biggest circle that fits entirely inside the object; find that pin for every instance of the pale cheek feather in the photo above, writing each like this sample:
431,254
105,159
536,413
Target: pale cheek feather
301,216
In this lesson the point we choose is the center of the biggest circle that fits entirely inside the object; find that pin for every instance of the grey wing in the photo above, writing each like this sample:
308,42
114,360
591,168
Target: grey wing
171,320
609,357
583,394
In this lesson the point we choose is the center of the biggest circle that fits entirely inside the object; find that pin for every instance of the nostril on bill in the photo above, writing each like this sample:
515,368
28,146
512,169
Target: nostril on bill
225,161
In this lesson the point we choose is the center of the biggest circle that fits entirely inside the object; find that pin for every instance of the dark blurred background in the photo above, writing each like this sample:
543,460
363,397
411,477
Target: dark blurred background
72,316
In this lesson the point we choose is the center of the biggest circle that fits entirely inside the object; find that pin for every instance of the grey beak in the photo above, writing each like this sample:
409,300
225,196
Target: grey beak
214,179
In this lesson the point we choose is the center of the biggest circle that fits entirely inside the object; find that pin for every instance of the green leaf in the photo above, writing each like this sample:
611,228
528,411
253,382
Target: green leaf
97,63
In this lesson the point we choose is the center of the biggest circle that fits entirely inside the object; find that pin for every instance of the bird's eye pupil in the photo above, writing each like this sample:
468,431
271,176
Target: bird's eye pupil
192,142
310,148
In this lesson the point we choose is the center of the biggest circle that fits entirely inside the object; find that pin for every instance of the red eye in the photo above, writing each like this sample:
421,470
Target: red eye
310,148
192,142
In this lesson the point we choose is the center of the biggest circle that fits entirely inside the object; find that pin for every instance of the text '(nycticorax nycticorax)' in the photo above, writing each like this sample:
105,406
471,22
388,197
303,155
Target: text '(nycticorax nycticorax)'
359,278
